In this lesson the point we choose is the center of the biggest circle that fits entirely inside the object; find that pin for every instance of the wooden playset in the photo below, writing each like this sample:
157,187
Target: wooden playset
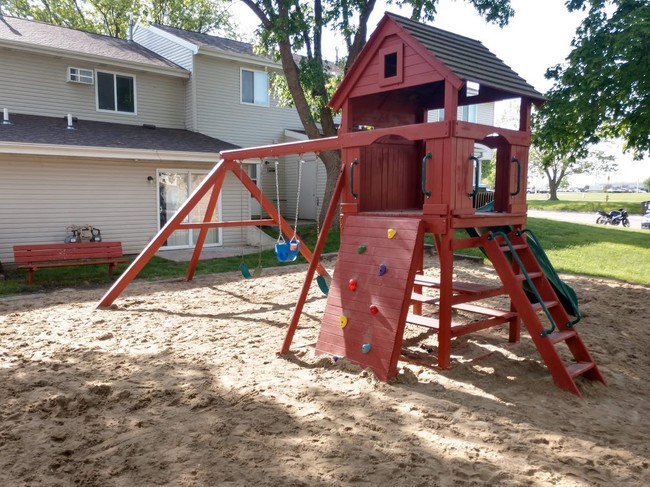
402,178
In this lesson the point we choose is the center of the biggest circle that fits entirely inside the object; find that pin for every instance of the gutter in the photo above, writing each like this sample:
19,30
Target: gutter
76,151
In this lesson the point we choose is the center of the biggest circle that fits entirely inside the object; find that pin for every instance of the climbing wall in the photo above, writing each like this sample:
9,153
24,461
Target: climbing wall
370,291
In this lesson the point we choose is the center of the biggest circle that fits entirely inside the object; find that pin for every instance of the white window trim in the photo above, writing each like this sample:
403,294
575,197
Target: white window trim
135,93
241,88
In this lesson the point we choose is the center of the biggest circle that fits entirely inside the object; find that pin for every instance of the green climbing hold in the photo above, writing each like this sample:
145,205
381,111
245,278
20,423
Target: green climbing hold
361,249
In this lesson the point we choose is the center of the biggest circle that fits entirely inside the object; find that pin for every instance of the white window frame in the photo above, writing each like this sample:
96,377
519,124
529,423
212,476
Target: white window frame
135,92
241,88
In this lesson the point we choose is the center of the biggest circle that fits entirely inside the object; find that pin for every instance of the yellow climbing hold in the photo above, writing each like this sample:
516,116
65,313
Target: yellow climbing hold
391,232
344,321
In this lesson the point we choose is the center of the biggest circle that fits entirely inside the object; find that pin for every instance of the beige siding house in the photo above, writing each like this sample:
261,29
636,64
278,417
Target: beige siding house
126,160
219,105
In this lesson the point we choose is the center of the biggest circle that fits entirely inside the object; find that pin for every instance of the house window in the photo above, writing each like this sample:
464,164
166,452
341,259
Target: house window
467,113
255,87
115,92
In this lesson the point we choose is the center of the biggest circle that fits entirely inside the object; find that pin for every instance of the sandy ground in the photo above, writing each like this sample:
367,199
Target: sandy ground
179,384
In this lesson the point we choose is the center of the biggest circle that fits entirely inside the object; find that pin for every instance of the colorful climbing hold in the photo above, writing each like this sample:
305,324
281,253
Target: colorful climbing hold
343,320
352,285
365,348
391,232
361,249
374,309
382,269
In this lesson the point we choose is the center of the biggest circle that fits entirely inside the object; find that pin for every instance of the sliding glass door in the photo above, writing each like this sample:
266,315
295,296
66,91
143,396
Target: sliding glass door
174,187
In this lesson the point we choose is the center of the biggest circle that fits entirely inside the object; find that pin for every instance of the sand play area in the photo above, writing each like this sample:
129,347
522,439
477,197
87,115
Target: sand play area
178,384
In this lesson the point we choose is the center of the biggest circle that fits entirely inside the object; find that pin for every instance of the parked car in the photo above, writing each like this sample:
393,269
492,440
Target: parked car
645,221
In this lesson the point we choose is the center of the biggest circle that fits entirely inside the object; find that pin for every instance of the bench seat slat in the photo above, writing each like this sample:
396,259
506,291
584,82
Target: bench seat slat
42,265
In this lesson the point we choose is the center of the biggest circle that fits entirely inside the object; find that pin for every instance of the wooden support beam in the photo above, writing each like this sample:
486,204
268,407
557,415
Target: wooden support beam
165,232
203,232
318,249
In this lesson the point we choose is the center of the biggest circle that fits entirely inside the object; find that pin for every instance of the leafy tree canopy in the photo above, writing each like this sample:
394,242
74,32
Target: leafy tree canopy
603,90
558,168
111,17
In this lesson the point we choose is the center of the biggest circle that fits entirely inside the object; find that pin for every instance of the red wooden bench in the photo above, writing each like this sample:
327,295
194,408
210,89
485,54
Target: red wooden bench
35,256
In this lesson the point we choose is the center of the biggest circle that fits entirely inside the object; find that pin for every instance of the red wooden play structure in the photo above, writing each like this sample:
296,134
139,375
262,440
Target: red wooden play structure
402,178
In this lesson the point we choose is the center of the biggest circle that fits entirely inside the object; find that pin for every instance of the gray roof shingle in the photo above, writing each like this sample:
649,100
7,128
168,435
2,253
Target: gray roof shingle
469,59
39,34
207,40
32,129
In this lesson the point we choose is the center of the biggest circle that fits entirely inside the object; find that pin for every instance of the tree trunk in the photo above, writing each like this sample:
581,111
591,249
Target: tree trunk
332,161
553,185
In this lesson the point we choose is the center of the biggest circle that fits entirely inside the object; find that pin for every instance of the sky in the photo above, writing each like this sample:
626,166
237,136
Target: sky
537,37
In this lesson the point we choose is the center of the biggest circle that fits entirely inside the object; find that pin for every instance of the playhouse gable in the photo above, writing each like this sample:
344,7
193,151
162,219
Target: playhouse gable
391,60
403,53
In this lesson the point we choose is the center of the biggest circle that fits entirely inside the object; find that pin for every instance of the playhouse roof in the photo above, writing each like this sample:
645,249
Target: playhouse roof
468,59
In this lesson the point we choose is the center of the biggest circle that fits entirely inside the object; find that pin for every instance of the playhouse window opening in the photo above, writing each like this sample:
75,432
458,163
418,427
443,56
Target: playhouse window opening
390,65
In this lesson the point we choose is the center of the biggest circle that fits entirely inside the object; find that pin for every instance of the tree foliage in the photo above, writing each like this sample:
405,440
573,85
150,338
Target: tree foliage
557,169
111,17
603,90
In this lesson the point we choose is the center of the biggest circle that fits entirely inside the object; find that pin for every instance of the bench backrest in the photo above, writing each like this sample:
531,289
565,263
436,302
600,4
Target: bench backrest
66,251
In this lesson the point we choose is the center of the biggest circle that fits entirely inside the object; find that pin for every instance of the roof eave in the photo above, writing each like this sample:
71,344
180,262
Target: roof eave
222,54
70,151
168,71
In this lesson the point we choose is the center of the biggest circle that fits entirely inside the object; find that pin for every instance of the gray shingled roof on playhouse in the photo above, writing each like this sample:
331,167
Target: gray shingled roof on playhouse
34,34
32,129
469,59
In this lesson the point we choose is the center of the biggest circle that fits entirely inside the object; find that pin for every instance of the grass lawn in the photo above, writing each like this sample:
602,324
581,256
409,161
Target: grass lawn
589,202
594,250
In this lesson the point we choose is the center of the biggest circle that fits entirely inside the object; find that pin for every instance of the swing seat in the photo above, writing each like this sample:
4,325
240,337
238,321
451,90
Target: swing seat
322,285
287,251
245,271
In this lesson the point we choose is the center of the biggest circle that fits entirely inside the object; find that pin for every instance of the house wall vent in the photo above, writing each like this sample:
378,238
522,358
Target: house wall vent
78,75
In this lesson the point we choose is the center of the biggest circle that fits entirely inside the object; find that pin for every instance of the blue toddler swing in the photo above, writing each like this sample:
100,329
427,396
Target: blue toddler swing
287,251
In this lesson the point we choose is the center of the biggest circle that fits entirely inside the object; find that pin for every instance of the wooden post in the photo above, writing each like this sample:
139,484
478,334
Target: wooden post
318,249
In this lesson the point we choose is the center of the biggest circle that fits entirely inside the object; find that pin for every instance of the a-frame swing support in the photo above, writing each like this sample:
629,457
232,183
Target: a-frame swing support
214,182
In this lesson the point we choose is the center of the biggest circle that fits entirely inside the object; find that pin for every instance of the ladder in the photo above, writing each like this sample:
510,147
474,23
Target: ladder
516,263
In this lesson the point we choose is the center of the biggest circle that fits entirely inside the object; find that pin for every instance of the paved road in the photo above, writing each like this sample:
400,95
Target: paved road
578,217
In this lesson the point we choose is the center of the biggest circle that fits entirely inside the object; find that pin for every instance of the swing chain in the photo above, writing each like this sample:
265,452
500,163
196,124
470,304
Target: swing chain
277,196
295,223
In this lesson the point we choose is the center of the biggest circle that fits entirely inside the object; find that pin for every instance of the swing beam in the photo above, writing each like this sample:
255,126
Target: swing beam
214,182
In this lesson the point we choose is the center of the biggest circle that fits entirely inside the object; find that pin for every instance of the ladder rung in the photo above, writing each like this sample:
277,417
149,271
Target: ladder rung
532,275
482,310
425,321
561,336
579,368
460,286
423,298
548,304
506,248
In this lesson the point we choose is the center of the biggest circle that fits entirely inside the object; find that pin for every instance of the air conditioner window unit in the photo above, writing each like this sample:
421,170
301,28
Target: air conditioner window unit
78,75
